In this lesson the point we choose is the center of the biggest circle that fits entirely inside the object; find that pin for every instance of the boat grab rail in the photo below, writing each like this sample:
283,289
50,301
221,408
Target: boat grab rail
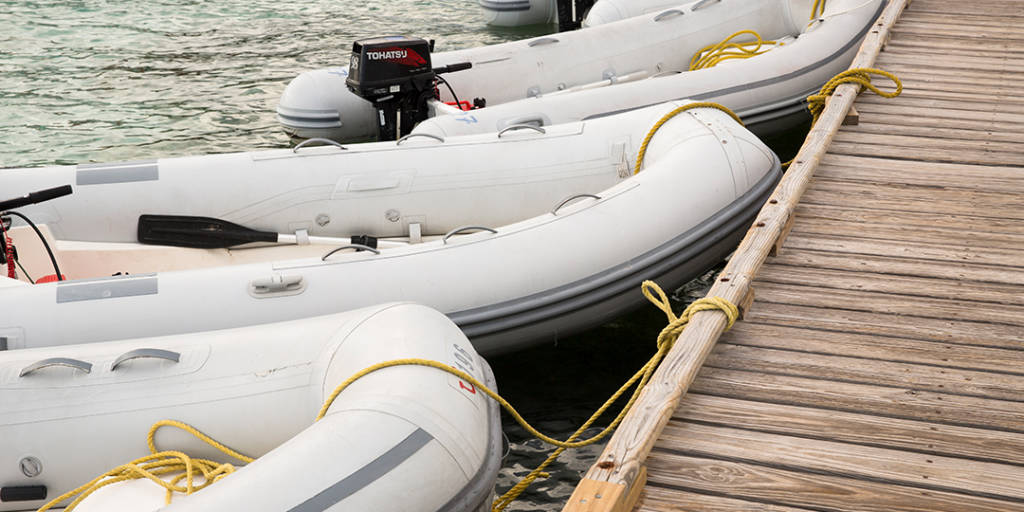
411,135
554,211
543,40
56,361
702,4
154,353
465,228
317,139
521,127
357,247
671,13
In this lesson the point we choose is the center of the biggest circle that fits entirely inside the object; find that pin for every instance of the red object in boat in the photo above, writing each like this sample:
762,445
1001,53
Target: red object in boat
50,278
463,105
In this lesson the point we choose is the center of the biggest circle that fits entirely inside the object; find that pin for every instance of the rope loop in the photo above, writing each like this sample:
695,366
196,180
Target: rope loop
665,118
713,54
862,76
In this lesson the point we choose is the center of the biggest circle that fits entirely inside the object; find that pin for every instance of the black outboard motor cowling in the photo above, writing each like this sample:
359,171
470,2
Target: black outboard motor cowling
394,73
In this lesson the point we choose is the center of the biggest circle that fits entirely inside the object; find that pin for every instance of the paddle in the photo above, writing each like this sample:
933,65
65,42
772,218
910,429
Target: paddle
211,233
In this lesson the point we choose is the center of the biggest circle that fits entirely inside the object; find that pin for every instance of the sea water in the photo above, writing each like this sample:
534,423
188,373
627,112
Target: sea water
107,80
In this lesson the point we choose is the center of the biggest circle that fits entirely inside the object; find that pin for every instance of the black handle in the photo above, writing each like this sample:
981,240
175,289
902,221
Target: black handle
451,68
35,197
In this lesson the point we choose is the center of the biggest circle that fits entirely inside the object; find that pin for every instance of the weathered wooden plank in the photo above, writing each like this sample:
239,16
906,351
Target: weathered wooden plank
908,198
884,171
921,40
999,121
855,461
861,322
902,307
930,154
660,499
970,82
1005,152
873,370
886,264
782,487
894,232
982,227
888,348
912,16
895,402
1007,64
885,124
951,289
911,250
880,431
1011,113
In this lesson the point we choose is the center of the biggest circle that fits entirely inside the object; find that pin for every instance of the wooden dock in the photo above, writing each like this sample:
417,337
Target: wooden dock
881,365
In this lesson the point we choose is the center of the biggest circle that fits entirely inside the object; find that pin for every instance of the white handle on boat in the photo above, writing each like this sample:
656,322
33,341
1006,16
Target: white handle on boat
56,361
521,127
465,228
316,139
702,4
671,13
543,40
569,199
360,247
146,352
411,135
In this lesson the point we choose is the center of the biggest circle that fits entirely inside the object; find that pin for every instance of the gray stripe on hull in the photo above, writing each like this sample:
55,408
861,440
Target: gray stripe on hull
763,83
106,289
509,321
3,343
120,172
367,474
504,6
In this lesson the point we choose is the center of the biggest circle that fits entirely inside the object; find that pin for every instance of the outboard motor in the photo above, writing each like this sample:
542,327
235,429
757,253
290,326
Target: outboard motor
394,73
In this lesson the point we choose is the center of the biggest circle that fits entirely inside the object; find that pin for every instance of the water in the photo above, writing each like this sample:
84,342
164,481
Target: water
105,80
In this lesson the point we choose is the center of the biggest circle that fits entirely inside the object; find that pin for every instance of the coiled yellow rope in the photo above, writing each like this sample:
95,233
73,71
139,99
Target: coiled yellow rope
157,464
664,119
862,76
712,54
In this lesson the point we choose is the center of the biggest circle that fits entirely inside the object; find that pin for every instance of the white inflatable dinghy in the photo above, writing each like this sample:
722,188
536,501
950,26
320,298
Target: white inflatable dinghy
507,286
614,67
399,439
517,13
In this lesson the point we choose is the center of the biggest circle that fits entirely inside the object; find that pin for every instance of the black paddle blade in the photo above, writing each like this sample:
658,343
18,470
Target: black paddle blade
197,232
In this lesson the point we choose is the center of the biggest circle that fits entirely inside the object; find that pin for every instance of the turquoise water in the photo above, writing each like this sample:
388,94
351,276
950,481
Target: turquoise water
106,80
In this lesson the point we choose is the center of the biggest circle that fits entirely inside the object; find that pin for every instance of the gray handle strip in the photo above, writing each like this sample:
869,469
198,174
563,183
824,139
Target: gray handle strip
465,228
702,4
316,139
554,211
543,40
146,352
521,127
671,13
349,246
411,135
56,361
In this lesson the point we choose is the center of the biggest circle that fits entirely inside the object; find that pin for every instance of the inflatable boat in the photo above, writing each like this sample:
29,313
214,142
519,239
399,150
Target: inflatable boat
544,275
402,438
613,67
516,13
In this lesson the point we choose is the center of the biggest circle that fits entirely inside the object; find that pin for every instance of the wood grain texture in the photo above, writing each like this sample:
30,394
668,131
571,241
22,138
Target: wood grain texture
624,455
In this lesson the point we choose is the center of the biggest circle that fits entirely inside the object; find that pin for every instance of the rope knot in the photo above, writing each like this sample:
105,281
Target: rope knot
676,324
862,76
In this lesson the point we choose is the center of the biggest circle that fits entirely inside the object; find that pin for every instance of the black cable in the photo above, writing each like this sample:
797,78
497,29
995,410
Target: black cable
25,272
42,239
458,104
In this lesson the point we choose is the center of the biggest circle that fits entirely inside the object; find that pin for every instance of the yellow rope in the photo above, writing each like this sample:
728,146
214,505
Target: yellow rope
664,119
817,9
862,76
712,54
158,463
